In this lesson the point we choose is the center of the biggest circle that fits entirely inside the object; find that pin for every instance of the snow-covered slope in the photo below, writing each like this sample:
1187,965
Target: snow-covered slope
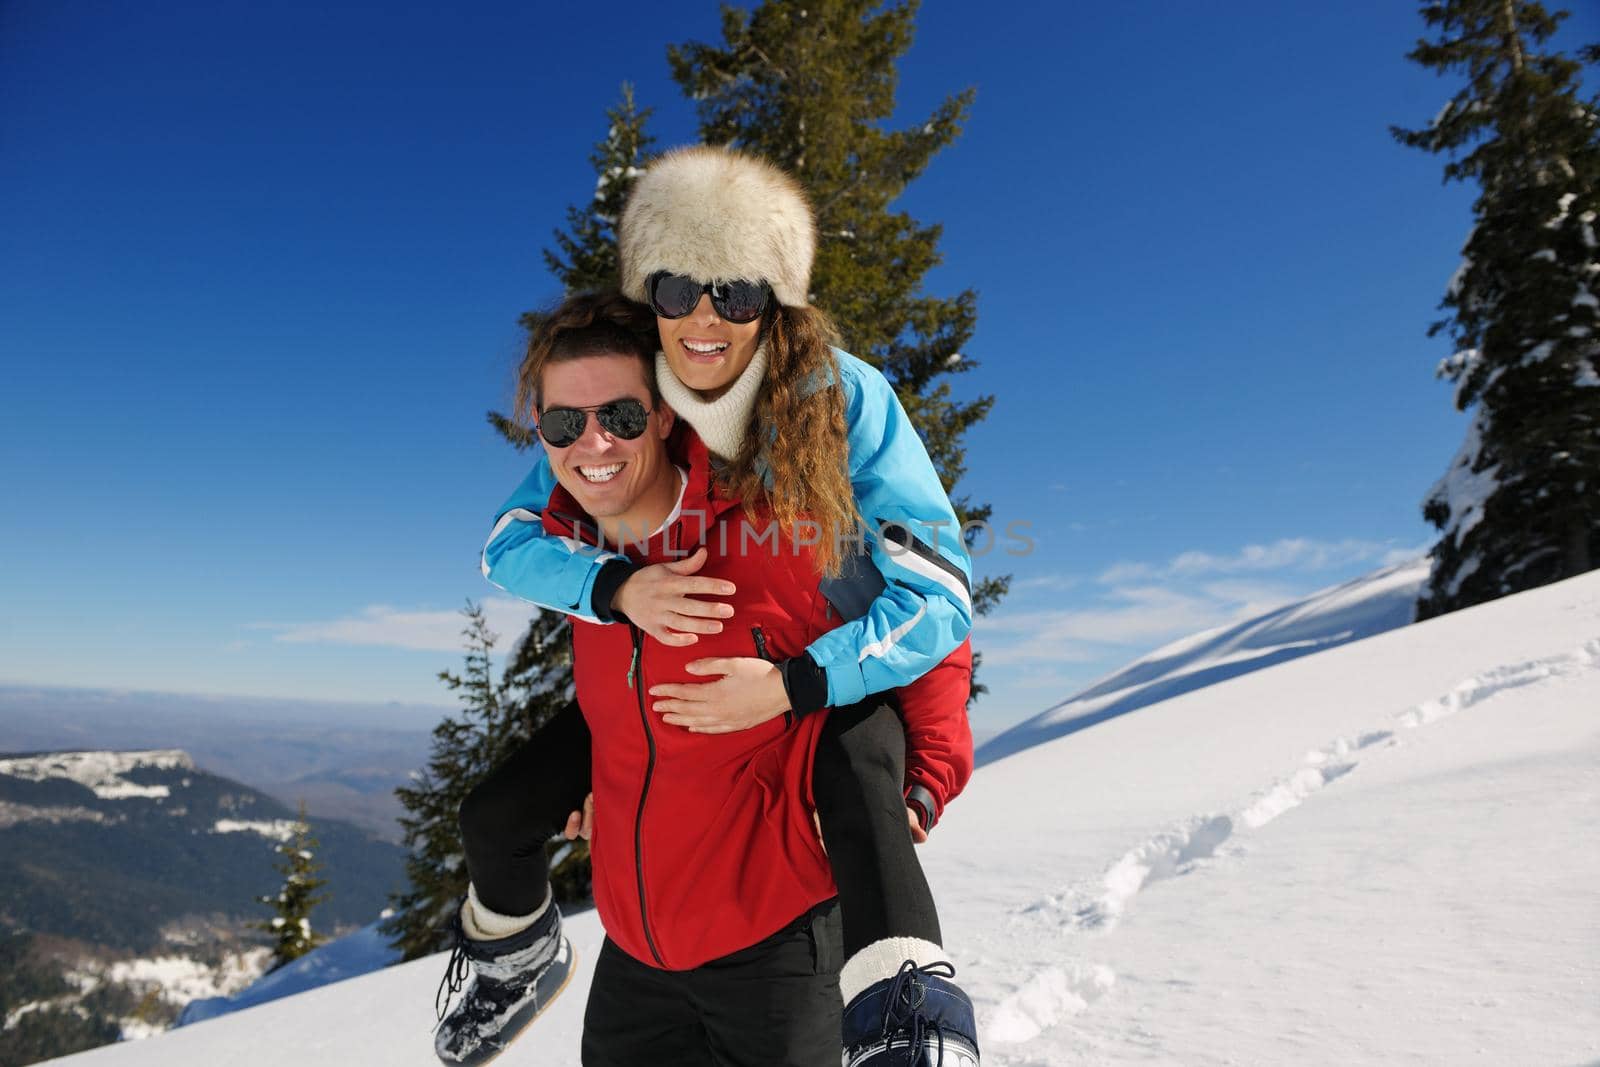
1378,854
1365,606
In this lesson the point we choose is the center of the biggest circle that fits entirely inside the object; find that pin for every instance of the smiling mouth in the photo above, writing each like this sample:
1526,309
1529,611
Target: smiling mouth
600,475
705,348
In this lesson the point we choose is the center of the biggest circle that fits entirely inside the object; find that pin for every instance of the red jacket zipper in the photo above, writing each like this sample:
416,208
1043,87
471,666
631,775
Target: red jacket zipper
761,650
636,680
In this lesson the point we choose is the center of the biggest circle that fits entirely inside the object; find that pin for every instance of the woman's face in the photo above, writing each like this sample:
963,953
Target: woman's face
705,351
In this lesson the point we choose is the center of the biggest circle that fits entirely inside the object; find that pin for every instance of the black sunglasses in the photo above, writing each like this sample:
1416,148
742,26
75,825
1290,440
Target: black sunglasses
673,296
561,427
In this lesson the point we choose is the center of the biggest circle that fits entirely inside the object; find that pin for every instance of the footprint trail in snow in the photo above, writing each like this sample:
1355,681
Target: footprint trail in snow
1055,993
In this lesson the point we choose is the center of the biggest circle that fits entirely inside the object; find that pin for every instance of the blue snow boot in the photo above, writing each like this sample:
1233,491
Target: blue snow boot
918,1018
512,980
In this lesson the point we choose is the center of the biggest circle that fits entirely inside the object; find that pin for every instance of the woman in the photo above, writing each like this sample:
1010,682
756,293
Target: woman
721,245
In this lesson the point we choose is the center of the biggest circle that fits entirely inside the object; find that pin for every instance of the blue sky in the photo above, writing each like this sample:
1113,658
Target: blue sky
263,264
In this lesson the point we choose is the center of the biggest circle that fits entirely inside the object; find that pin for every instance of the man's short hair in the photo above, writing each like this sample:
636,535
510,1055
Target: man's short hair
581,326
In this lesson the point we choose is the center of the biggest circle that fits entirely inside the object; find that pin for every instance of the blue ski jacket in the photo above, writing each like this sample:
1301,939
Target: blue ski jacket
908,610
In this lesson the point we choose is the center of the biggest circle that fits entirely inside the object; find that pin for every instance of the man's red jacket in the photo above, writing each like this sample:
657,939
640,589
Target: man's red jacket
704,844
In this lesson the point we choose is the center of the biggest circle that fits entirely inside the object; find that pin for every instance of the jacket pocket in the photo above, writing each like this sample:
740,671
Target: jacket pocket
784,638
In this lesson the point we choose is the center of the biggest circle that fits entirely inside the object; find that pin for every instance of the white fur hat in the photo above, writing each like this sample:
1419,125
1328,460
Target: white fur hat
718,216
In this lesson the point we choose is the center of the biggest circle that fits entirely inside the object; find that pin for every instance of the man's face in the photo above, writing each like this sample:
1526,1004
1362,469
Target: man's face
704,350
606,474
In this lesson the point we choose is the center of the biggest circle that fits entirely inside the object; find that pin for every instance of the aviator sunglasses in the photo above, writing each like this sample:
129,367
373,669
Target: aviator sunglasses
561,427
673,296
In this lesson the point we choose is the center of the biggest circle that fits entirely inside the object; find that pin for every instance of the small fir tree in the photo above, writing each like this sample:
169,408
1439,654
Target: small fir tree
290,925
1519,505
498,717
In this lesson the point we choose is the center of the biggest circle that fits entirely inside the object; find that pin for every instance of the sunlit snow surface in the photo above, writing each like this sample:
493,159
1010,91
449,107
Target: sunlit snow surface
1378,854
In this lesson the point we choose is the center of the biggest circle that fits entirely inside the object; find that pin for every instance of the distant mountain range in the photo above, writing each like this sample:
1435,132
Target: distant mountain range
343,760
114,848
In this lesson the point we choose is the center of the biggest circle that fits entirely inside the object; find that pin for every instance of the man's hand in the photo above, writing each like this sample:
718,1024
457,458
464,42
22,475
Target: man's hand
748,693
918,834
581,824
660,600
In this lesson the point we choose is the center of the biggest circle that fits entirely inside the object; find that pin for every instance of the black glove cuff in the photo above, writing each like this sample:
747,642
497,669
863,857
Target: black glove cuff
612,574
926,807
805,683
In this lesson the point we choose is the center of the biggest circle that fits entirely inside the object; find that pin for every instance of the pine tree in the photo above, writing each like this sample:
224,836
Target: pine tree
1519,505
809,84
497,718
585,258
290,925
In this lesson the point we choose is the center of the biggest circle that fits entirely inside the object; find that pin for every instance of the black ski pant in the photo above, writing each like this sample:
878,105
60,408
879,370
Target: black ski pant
774,1004
857,783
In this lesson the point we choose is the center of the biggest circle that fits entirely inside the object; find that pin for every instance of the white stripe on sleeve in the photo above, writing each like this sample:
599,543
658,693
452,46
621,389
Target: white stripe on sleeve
884,644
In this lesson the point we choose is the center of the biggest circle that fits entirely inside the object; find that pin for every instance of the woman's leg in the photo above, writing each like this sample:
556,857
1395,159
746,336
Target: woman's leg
507,819
895,982
858,782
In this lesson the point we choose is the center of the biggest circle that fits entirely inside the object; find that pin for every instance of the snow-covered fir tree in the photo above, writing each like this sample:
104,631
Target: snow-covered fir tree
290,925
1519,505
585,256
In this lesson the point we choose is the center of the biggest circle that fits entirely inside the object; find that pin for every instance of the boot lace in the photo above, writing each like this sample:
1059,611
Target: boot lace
455,976
902,1008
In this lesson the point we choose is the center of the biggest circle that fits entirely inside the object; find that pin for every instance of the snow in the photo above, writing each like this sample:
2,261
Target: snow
1372,854
276,829
1466,490
139,1030
11,814
182,979
99,771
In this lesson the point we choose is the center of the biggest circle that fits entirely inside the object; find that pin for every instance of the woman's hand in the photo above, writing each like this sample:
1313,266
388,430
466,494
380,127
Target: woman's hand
748,693
581,824
660,600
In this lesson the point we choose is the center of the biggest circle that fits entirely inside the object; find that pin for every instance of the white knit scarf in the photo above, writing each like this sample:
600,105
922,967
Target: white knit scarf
721,423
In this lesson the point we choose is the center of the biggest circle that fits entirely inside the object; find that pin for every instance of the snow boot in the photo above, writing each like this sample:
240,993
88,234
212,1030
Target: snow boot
918,1018
512,980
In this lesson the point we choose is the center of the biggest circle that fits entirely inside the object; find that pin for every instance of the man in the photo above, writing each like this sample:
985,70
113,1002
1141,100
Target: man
724,943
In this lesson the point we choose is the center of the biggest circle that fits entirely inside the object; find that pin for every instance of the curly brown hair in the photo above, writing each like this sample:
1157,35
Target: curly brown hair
798,435
585,324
